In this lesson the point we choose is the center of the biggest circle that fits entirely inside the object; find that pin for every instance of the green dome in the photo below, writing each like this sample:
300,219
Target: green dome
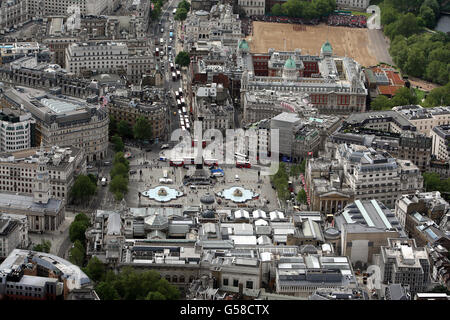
243,45
290,64
326,47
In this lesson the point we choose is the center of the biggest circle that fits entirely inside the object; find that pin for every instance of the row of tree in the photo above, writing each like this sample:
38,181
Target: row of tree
420,54
84,187
157,9
119,176
403,96
132,285
432,182
304,9
280,182
77,235
142,130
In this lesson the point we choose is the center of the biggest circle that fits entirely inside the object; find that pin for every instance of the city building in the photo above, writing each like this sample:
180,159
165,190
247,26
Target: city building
63,121
425,119
103,57
402,262
430,204
302,275
13,233
334,84
441,142
213,106
16,130
364,228
13,14
43,8
19,169
382,79
353,4
29,275
253,7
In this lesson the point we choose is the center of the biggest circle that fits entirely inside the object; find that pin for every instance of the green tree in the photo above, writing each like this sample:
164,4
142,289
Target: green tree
44,246
440,289
77,253
119,169
83,218
124,129
301,197
381,103
167,290
432,71
118,143
119,186
142,129
276,10
83,188
95,269
119,157
185,5
404,96
438,96
155,296
427,14
416,63
93,178
77,231
106,291
181,14
302,166
112,128
183,59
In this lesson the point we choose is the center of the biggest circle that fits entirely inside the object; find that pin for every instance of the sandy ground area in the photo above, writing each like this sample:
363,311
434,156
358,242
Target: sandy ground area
352,42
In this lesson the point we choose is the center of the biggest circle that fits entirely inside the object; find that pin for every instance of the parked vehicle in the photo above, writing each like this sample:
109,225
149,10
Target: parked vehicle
104,181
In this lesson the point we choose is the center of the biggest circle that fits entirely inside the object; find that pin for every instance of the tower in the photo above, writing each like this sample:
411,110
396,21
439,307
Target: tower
290,71
41,186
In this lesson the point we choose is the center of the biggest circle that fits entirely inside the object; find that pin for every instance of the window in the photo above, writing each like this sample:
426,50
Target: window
225,281
249,284
235,283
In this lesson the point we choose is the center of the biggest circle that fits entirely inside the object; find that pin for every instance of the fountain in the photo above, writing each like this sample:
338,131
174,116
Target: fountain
237,194
162,194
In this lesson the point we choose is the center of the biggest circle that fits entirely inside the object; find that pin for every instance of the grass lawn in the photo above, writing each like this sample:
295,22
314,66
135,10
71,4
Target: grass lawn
420,94
359,13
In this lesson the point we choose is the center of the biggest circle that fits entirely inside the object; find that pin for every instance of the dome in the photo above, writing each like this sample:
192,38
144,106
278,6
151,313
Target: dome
243,45
208,214
326,47
290,64
207,199
156,222
331,233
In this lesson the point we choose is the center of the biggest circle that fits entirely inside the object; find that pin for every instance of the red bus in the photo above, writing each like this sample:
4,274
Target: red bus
243,164
211,162
176,163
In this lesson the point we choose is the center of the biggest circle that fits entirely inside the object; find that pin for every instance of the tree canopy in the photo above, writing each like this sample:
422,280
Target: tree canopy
124,129
301,197
117,142
44,246
304,9
181,14
77,253
83,188
183,59
95,269
142,129
132,285
280,181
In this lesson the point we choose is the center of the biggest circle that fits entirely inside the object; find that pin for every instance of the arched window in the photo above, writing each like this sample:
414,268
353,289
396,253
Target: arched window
182,280
168,278
174,279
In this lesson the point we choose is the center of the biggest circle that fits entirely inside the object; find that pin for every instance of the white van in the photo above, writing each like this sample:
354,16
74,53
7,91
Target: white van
165,175
104,181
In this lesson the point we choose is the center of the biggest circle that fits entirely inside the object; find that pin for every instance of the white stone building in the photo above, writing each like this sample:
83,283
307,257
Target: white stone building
353,4
441,142
253,7
15,132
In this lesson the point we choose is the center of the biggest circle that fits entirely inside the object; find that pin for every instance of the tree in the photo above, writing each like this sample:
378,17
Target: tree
301,197
404,96
124,129
440,289
155,296
276,10
44,246
119,169
185,5
438,96
77,253
381,103
416,63
112,128
77,231
181,14
167,290
142,129
93,178
83,188
95,269
119,186
106,291
118,143
183,59
427,14
119,158
83,218
302,166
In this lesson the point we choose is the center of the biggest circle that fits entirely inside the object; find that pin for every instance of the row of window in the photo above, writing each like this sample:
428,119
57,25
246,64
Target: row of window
248,284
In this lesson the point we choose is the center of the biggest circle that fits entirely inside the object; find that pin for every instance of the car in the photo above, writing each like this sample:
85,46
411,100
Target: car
148,149
104,181
133,171
107,163
145,163
236,178
164,146
90,167
162,30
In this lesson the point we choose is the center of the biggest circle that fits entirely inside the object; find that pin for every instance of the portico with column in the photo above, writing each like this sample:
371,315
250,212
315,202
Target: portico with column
332,202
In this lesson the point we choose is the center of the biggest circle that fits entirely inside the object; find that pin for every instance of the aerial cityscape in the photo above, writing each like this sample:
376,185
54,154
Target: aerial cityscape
232,150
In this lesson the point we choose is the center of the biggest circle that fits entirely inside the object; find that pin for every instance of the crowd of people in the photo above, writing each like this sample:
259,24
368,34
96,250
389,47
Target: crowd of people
285,20
347,21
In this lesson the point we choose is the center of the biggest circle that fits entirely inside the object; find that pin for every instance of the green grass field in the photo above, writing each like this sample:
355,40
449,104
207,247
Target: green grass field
359,13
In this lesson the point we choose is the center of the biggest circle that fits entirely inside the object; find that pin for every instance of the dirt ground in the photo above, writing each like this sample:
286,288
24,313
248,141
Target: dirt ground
353,42
422,84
